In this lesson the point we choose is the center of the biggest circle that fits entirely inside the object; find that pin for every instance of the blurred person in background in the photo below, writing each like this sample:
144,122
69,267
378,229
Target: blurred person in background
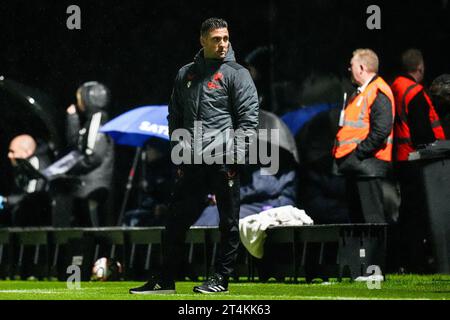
29,203
95,167
416,124
440,95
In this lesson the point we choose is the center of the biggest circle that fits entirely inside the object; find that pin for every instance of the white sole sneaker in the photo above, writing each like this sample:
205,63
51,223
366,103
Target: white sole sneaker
197,290
154,292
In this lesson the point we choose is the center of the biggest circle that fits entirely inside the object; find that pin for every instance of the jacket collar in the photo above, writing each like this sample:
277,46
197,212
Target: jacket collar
408,76
364,86
199,58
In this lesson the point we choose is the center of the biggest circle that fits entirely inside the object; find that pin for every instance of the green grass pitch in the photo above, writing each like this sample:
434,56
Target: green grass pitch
405,287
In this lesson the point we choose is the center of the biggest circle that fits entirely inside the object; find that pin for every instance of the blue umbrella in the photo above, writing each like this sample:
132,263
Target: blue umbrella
297,118
136,126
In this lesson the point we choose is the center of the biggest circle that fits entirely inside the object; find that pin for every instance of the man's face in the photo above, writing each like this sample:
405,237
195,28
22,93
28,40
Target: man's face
215,44
356,68
420,72
17,151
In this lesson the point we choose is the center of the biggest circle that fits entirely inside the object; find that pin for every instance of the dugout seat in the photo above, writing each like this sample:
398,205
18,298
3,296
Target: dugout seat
5,253
144,251
30,252
61,241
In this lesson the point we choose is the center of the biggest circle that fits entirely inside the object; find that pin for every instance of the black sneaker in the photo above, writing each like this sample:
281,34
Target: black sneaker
215,284
155,286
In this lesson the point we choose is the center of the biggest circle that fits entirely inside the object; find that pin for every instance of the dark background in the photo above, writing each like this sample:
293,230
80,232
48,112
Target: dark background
136,47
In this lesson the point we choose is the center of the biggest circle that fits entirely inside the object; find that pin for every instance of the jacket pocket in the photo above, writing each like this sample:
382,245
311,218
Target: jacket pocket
351,165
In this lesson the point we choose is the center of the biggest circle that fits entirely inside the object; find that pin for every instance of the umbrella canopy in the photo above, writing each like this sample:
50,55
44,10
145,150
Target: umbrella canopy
316,138
136,126
24,106
268,120
296,119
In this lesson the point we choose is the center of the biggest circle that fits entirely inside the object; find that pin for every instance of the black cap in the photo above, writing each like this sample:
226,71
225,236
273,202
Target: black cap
94,95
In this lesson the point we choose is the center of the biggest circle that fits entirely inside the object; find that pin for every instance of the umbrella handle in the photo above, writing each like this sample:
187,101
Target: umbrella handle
129,185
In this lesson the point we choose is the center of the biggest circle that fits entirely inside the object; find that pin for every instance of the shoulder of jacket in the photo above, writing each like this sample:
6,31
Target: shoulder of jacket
234,65
185,68
381,85
380,81
406,81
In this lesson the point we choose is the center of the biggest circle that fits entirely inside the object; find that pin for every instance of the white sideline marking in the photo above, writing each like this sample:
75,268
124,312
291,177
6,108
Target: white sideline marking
352,298
28,291
42,291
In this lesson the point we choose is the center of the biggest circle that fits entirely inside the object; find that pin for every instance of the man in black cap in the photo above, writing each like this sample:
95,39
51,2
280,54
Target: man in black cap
95,167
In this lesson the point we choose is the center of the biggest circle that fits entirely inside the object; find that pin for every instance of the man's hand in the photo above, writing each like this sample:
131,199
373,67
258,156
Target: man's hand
71,109
161,211
212,199
3,202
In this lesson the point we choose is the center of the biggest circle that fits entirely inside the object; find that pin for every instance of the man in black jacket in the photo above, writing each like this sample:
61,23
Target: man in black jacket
416,124
213,94
363,148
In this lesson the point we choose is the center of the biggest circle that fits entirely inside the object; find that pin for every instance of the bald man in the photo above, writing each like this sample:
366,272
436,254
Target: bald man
28,204
21,147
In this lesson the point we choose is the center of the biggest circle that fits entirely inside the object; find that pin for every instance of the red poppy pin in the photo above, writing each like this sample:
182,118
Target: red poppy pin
212,85
215,79
218,76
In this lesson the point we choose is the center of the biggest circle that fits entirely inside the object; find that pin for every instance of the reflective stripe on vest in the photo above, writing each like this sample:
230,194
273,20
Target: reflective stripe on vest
402,140
435,124
403,116
389,140
356,125
360,123
405,90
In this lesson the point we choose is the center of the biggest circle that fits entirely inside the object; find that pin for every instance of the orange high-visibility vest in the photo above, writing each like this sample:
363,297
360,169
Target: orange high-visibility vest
405,90
356,124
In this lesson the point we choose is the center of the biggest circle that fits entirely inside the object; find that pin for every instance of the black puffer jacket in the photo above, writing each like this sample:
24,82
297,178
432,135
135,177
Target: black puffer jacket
219,93
96,167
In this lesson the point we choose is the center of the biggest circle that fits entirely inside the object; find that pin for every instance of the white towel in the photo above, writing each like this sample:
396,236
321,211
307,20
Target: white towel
252,228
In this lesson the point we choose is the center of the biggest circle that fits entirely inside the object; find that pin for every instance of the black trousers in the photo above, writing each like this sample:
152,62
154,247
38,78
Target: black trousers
413,226
192,185
365,200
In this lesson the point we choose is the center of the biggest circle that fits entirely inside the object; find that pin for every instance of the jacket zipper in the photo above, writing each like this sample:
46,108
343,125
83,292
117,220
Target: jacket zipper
197,130
199,92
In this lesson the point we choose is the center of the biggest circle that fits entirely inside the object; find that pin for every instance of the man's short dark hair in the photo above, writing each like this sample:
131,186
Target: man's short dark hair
411,59
212,24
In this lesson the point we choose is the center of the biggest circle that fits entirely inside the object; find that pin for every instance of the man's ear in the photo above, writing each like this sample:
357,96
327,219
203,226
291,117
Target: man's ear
202,41
421,69
29,153
362,67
